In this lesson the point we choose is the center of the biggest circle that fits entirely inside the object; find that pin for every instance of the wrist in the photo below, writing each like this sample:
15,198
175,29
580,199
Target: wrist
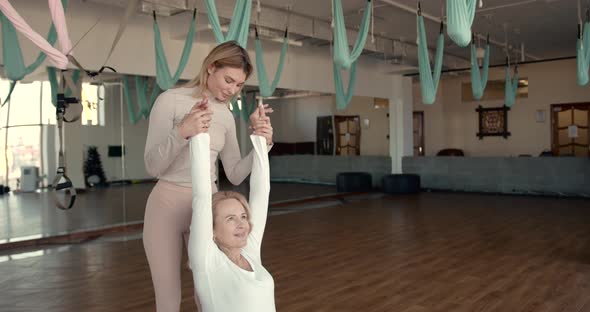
180,131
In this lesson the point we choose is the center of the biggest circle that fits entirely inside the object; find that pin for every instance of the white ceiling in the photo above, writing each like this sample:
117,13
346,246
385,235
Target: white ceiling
547,28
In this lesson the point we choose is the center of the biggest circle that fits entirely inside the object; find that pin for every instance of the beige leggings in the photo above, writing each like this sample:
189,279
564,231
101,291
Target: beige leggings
166,224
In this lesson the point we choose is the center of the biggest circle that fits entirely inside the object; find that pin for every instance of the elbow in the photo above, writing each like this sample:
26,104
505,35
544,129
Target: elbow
235,180
151,168
234,177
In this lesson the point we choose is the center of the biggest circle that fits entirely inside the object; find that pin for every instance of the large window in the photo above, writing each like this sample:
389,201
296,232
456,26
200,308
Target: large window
93,104
23,118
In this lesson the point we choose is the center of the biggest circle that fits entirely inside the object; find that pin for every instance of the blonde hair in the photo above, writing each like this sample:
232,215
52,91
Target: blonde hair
229,54
225,195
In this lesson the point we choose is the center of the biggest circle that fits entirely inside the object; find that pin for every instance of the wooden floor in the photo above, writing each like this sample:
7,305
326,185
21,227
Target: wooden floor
428,252
28,216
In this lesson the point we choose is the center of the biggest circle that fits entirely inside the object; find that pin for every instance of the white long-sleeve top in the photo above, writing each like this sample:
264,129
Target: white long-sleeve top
222,286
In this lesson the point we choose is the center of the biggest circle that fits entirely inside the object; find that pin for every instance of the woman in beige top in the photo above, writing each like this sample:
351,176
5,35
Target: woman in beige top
178,114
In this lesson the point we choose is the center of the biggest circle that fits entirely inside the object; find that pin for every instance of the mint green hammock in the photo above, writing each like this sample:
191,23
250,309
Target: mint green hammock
267,89
343,59
163,77
479,81
12,57
144,106
428,80
239,25
460,15
583,54
511,85
248,107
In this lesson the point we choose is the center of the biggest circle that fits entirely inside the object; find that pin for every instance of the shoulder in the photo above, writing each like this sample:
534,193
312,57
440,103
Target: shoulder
179,99
180,92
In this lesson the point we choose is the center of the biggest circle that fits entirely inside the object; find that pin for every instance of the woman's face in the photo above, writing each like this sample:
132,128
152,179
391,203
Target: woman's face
225,82
231,226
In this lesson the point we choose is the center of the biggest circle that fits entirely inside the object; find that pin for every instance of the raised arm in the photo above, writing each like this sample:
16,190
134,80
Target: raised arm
164,142
259,187
201,229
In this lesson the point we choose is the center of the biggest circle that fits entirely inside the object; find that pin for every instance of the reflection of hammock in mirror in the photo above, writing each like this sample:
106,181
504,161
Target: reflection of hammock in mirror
583,48
479,81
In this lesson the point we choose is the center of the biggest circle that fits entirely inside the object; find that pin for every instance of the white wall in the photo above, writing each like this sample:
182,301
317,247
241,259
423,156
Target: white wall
451,123
295,120
306,68
374,140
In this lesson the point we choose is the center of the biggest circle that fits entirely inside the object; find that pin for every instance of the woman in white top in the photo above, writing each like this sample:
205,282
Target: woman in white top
226,235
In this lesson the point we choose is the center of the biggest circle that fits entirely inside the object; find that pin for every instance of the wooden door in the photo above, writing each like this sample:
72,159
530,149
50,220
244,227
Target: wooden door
570,131
348,135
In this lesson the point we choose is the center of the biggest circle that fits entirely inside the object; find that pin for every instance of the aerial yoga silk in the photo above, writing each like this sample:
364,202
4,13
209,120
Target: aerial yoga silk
14,66
144,105
248,106
460,15
511,85
56,57
479,81
239,25
343,59
163,77
428,80
267,89
583,54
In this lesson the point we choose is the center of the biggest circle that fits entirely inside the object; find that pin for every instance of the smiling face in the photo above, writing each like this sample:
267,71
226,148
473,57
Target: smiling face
225,82
231,224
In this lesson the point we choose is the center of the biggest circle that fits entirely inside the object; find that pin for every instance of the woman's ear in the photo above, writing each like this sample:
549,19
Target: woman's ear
211,69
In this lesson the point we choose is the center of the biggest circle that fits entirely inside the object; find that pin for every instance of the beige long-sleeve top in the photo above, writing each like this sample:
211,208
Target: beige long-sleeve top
167,153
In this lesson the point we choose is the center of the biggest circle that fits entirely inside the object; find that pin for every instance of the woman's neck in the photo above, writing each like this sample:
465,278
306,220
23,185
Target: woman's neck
234,254
211,97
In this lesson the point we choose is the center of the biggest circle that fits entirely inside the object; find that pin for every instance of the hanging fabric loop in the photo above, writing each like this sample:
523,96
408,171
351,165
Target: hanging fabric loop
143,103
583,47
267,89
342,98
460,15
12,58
479,81
511,85
164,78
239,25
56,57
429,80
342,56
